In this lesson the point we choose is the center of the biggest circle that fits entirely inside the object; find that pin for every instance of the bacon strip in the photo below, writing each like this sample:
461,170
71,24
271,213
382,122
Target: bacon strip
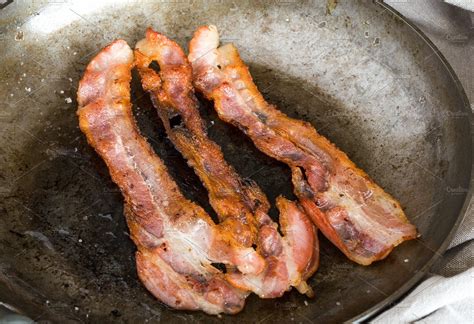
177,241
241,206
362,220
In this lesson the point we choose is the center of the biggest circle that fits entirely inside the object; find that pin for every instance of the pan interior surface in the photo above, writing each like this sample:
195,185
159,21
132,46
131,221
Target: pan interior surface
360,75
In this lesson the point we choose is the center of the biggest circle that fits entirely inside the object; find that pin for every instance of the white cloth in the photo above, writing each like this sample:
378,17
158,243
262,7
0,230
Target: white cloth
465,4
436,300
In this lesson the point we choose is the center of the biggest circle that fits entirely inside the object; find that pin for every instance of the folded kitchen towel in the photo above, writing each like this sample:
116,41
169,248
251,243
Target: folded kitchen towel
436,300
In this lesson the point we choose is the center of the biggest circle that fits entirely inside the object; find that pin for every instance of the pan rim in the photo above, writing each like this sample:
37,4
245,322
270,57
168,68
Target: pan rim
378,308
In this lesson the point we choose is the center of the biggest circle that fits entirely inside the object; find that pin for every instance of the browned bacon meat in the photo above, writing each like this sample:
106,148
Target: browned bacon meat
241,206
362,220
177,241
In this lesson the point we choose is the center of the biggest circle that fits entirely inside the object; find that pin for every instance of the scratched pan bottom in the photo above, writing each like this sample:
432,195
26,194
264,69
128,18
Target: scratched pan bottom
361,76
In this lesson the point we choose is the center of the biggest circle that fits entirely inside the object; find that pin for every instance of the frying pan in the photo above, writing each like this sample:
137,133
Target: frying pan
362,75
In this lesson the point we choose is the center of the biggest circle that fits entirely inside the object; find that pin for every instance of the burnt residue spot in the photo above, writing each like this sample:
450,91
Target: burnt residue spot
116,313
17,233
220,266
155,66
176,121
219,67
262,117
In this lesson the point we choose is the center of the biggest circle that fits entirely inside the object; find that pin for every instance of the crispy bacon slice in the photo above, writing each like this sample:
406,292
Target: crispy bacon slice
241,206
362,220
177,241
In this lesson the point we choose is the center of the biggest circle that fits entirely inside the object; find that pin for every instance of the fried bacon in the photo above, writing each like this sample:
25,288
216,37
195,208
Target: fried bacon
177,241
240,205
362,220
